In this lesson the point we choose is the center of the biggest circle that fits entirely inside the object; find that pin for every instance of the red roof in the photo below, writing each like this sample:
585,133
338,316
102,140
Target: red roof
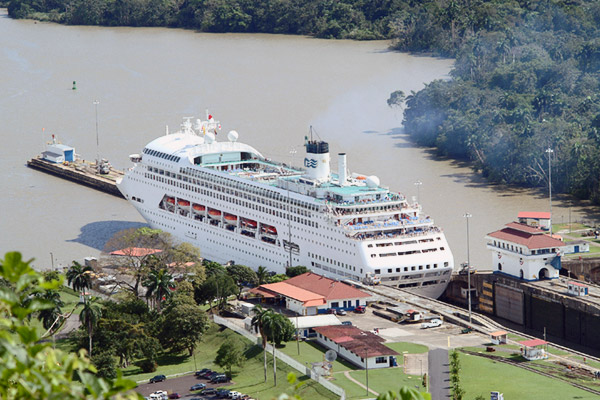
577,284
533,342
356,340
295,293
135,252
262,292
534,215
328,288
498,333
525,235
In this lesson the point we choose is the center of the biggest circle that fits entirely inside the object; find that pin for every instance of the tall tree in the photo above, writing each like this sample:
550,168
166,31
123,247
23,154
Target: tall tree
48,316
278,328
242,276
230,354
262,275
159,286
259,321
184,323
89,316
80,276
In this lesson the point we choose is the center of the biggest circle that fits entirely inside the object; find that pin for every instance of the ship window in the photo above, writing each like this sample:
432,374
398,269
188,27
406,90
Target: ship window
377,271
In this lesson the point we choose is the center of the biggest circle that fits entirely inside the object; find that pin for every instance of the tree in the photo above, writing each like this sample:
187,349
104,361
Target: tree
218,286
105,365
242,276
159,286
80,277
262,275
278,328
405,393
183,326
230,354
49,315
396,99
295,271
33,369
89,316
261,315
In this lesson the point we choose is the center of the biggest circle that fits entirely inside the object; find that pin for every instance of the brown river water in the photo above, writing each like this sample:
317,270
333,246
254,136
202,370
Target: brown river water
270,88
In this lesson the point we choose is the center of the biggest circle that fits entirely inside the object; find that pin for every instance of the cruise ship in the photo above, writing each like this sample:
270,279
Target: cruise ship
233,203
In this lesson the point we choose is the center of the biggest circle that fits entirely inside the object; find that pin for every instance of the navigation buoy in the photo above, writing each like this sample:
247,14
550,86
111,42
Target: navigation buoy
74,85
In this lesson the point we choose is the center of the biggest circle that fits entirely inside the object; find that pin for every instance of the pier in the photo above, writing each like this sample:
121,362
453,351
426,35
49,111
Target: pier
80,172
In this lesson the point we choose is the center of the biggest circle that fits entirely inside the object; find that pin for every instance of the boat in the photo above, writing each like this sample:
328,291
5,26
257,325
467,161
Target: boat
342,225
183,203
198,207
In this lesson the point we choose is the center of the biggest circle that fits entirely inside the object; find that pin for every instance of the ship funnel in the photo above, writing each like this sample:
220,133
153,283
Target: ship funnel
316,161
342,168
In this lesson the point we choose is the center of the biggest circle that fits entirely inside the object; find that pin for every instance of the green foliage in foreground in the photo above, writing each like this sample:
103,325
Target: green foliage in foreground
31,369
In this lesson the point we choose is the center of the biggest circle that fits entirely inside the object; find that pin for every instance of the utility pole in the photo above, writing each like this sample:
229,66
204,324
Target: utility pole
418,185
467,216
550,151
96,102
367,367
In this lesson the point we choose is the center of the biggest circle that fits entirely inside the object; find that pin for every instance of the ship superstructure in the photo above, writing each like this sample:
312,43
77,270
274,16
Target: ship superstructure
234,204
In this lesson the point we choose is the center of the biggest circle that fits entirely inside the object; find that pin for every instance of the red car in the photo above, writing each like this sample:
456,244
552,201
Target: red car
174,396
360,309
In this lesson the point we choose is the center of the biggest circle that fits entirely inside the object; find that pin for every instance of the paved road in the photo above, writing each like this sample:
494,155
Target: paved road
439,374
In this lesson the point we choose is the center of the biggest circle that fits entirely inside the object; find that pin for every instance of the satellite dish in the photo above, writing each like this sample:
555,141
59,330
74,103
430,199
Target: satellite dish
330,355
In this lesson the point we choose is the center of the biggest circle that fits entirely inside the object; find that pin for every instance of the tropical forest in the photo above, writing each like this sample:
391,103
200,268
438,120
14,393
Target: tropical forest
521,104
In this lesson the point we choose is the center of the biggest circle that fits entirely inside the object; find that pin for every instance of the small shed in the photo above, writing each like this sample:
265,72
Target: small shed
499,337
536,219
59,153
578,289
534,349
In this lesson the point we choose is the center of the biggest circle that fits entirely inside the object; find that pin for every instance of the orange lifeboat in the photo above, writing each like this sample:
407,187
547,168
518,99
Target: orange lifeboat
183,203
214,213
230,219
198,207
248,223
269,229
171,200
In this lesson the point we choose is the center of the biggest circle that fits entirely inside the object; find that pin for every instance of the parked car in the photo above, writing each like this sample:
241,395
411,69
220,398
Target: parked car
341,312
360,309
234,395
174,396
349,323
210,376
198,386
220,379
209,392
330,311
222,393
206,374
433,323
158,378
202,371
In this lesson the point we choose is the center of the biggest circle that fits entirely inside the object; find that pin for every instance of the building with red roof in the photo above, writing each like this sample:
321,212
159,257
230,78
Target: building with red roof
525,252
310,294
536,219
534,349
357,346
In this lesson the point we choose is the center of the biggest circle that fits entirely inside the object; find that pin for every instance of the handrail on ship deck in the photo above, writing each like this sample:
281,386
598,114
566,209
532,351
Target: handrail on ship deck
390,235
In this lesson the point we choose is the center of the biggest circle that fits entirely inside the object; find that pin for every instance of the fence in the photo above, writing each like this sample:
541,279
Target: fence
303,369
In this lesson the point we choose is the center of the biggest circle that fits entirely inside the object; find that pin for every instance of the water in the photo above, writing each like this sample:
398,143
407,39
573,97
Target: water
270,88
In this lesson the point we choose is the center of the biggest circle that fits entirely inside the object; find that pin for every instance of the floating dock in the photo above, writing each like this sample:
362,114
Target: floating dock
80,172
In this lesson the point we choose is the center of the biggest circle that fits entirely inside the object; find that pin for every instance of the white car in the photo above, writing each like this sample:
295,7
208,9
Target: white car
433,323
235,395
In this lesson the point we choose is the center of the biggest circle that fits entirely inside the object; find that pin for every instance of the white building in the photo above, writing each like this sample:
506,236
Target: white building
536,219
357,346
525,252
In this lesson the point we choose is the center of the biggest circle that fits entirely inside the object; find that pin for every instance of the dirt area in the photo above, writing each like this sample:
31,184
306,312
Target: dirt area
179,385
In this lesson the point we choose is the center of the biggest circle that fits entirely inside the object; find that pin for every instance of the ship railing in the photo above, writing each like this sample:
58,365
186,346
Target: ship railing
392,235
370,225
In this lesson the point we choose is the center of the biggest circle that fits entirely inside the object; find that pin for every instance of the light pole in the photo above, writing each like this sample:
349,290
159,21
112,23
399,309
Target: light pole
367,367
52,260
467,216
96,102
418,185
550,151
292,153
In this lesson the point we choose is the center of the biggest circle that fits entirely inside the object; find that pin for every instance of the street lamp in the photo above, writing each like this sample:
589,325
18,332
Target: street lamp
367,367
467,216
418,185
96,102
550,151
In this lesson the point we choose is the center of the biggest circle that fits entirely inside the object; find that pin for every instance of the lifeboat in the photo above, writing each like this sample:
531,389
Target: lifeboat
214,213
183,203
230,219
171,200
198,207
269,229
248,223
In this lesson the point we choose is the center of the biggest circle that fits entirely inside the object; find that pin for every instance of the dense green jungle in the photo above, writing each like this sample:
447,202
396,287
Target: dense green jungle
525,79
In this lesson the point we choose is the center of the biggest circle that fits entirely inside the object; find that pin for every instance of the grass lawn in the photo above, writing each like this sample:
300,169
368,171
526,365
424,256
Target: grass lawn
311,352
480,376
247,379
565,226
380,380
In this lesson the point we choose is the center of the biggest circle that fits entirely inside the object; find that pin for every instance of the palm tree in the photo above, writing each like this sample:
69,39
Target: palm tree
262,273
79,277
261,316
89,316
278,328
159,286
49,315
